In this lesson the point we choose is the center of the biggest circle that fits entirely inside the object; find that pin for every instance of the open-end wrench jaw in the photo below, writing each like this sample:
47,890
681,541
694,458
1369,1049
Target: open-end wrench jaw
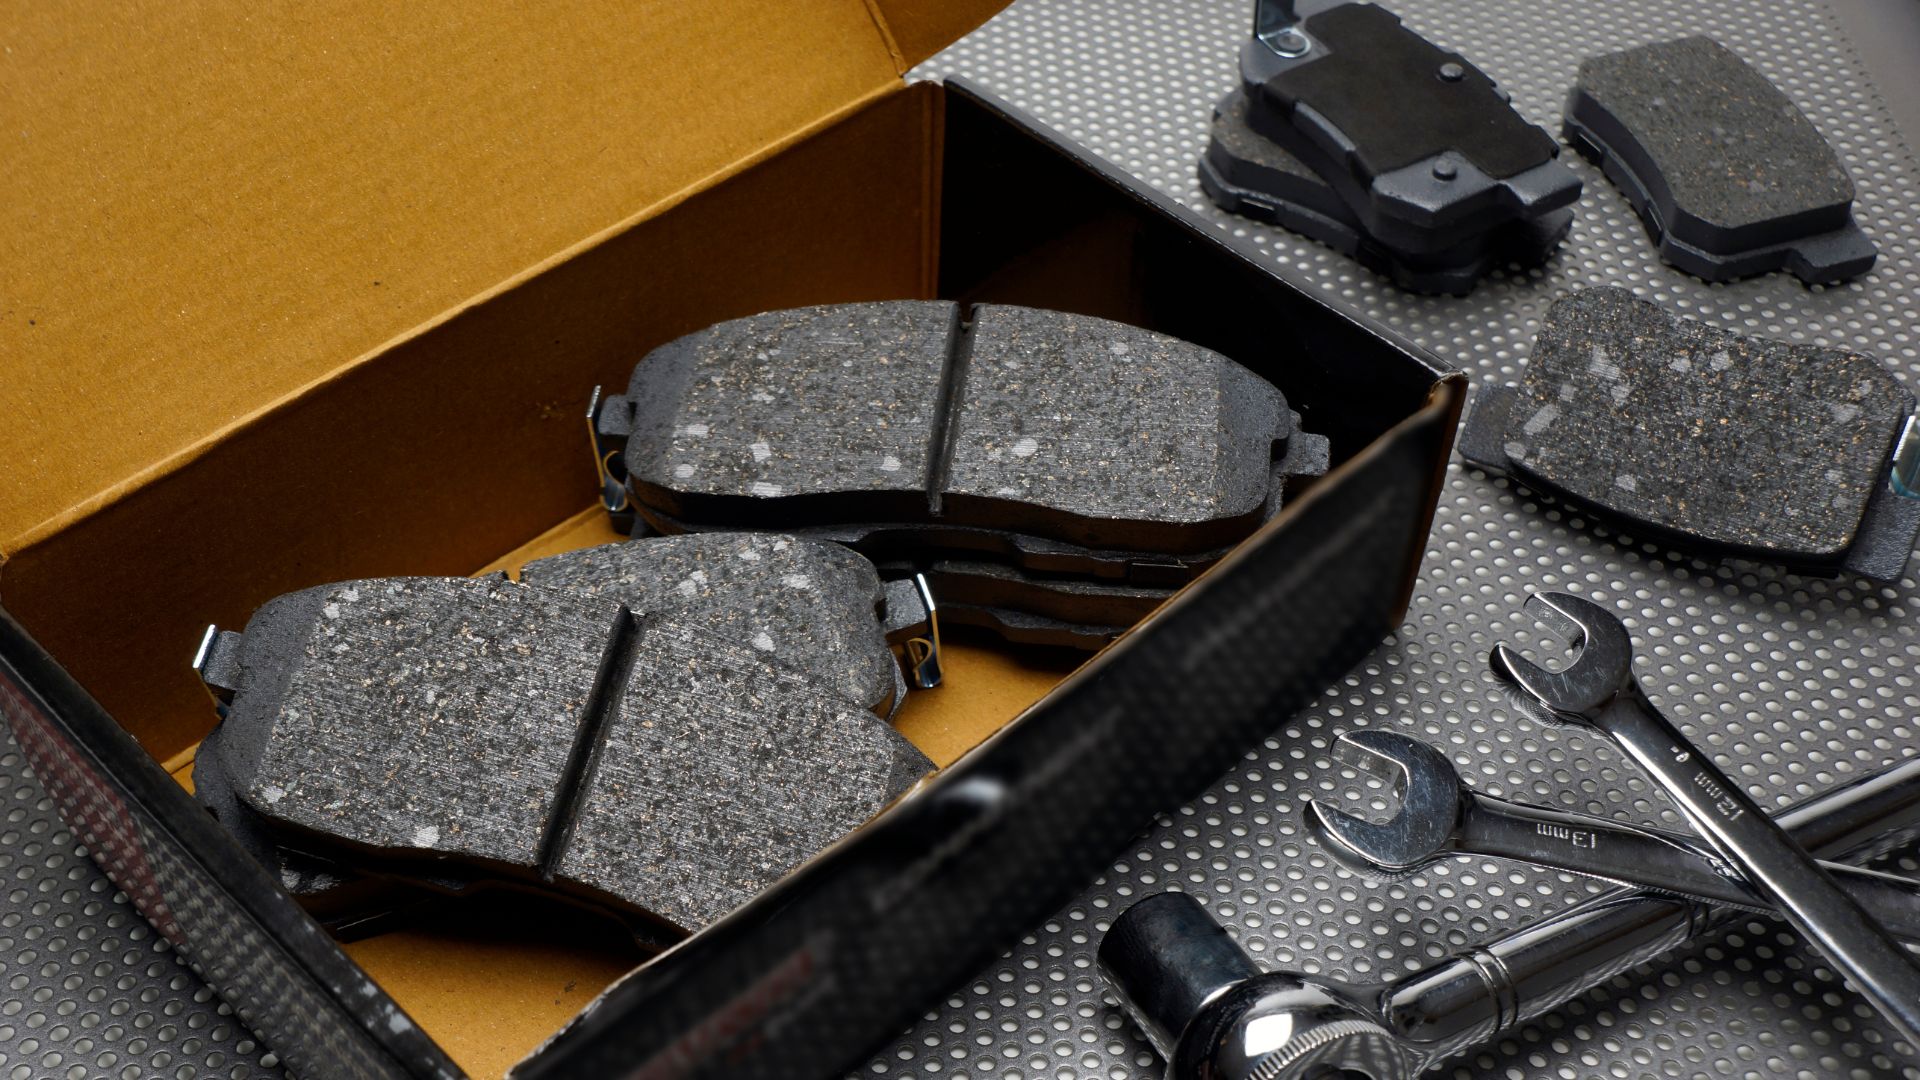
1602,672
1432,800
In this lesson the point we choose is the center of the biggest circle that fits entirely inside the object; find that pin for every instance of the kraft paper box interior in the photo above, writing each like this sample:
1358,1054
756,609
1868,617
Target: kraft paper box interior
299,296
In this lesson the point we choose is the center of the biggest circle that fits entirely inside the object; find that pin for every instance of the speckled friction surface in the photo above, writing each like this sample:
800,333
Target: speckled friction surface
1732,149
804,603
1055,425
455,731
1738,440
433,716
810,400
721,773
1109,421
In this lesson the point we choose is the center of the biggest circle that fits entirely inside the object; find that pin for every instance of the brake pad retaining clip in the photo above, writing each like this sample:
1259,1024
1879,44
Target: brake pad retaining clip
1906,460
217,662
1277,26
608,424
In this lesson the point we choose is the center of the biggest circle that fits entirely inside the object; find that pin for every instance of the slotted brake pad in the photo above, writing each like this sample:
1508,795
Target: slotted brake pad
1739,445
450,730
904,413
1246,173
1421,145
1729,176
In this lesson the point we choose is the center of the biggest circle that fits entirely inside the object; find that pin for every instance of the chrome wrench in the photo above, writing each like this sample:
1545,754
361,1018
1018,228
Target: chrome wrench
1439,815
1598,690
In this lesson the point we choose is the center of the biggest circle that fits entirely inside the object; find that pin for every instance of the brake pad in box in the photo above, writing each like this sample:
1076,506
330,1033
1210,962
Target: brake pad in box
1728,175
1738,445
463,675
1246,173
1425,150
1062,427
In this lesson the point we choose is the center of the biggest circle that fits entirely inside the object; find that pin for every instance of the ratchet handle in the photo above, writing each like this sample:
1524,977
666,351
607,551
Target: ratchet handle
1804,894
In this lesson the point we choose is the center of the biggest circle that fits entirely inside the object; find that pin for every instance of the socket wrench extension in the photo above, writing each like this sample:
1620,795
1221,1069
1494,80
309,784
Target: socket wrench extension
1439,815
1190,987
1598,690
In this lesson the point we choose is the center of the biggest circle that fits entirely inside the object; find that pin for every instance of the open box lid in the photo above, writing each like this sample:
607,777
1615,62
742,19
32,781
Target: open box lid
246,252
214,206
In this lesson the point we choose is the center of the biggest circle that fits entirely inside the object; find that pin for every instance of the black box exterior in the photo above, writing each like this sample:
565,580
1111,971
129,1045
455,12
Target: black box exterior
812,975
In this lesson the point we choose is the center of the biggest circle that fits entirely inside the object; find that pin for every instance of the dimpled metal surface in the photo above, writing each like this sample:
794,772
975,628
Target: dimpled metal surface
722,772
1739,440
1792,683
805,603
1108,421
87,988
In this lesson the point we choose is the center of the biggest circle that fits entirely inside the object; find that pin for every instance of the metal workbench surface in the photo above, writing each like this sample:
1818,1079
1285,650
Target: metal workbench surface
1794,684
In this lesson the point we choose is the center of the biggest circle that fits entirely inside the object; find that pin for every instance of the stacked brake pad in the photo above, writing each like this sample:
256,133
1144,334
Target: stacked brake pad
1731,444
1729,176
662,727
1354,130
1053,471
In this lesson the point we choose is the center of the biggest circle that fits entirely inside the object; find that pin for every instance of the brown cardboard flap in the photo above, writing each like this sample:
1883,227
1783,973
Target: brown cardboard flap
213,206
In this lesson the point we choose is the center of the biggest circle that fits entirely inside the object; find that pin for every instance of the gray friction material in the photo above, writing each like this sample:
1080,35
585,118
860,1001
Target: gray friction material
1054,425
429,715
807,401
721,773
805,603
1733,149
1740,441
537,734
1108,421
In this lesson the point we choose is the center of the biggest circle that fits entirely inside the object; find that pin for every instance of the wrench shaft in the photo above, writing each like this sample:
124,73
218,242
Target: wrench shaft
1810,900
1461,1002
1684,866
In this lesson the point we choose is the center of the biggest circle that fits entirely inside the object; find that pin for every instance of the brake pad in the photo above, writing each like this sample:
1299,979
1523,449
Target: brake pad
1425,150
1740,445
1729,176
1246,173
492,728
1040,423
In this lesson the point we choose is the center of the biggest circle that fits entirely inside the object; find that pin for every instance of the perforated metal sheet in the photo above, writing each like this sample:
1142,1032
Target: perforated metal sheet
90,991
1793,683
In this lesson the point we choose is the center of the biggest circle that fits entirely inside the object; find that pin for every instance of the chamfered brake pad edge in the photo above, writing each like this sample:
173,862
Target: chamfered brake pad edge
1728,175
550,738
1244,172
1731,444
1044,423
1422,146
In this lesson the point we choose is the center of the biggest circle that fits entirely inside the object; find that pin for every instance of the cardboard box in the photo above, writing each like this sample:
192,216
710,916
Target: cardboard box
302,296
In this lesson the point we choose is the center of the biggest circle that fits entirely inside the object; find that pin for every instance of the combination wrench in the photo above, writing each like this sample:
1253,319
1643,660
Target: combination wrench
1184,979
1439,815
1597,689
